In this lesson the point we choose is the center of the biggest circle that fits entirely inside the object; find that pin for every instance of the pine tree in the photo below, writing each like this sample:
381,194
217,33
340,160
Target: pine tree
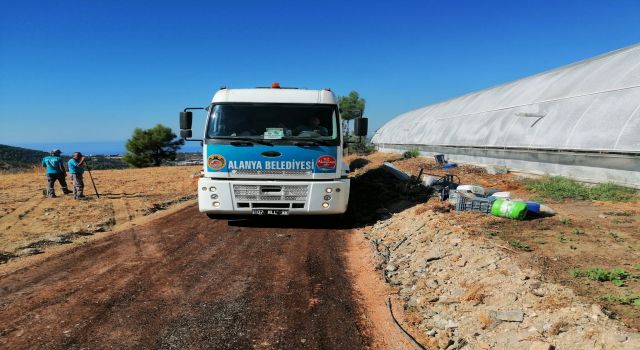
150,147
352,105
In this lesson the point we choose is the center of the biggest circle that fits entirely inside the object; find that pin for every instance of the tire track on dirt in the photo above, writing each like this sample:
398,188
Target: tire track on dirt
11,219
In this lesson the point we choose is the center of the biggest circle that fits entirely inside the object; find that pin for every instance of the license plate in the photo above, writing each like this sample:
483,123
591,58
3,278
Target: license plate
269,212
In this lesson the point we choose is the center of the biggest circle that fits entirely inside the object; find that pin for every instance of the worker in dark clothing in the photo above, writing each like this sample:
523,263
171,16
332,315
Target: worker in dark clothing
76,169
55,171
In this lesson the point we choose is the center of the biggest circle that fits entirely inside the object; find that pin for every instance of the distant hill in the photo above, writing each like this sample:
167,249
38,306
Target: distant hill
19,159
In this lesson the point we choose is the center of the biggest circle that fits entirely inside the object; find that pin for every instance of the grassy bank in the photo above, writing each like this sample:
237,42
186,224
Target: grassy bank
560,188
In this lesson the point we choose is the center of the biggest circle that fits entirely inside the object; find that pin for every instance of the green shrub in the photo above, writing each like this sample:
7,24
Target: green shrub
565,220
615,275
412,153
517,244
629,299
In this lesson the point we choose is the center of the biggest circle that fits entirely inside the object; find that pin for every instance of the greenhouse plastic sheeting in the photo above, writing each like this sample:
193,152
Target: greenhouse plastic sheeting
592,105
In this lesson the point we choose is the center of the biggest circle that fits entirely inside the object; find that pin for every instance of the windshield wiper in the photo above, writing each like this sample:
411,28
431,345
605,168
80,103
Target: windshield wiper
246,139
306,141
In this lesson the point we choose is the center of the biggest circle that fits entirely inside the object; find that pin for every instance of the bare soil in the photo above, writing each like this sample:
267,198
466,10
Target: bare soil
185,281
583,234
29,220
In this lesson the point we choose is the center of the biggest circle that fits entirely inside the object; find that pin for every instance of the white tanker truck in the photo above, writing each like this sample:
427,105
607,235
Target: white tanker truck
272,151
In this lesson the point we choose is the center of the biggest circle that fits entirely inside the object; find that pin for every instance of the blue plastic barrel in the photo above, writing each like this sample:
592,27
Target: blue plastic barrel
533,207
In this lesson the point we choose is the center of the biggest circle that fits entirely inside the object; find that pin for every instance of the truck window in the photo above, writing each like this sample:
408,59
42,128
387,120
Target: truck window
273,121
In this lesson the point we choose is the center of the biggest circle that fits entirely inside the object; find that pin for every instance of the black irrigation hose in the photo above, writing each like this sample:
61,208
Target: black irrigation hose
411,338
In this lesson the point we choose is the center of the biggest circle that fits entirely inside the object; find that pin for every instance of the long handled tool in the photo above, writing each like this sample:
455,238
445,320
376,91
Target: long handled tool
94,184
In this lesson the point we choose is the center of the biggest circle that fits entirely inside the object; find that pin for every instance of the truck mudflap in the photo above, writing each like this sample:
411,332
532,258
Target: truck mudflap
273,197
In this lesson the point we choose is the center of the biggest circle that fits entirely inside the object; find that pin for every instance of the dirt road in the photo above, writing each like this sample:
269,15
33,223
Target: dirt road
185,281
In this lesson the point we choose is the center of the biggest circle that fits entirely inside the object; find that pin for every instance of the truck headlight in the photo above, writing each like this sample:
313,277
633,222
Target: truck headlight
325,205
204,188
212,189
327,198
214,196
216,204
328,189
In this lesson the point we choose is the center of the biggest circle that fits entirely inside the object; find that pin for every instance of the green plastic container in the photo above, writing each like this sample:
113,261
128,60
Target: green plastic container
509,209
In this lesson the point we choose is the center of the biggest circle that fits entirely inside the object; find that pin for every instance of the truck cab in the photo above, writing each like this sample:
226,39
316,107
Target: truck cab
272,151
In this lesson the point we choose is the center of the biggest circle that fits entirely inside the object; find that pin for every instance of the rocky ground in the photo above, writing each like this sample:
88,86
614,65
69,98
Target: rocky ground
463,284
461,289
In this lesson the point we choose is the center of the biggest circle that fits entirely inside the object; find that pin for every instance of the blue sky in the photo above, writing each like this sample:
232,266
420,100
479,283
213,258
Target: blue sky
79,71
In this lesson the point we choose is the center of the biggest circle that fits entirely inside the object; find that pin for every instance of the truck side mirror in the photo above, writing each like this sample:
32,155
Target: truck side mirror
360,126
185,134
186,119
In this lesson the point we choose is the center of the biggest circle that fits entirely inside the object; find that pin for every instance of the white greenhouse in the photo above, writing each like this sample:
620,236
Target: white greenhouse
580,120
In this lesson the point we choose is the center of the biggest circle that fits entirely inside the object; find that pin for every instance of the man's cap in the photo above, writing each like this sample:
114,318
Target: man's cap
56,151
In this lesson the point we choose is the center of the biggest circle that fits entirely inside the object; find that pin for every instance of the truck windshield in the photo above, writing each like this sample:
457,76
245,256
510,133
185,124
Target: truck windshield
270,121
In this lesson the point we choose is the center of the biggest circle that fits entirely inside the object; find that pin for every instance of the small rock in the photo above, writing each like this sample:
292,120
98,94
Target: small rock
391,268
461,263
61,239
413,301
433,299
433,284
510,298
30,251
538,292
443,340
597,310
431,332
510,316
451,324
492,267
432,256
484,346
602,216
621,338
440,321
395,282
535,284
538,345
540,327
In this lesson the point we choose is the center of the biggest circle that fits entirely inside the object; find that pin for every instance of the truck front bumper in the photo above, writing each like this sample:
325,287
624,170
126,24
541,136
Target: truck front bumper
296,197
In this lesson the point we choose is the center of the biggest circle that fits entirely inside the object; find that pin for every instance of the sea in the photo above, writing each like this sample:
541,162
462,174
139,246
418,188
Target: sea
96,148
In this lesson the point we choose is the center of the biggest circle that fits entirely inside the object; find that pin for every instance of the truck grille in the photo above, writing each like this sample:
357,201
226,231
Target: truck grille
270,192
272,172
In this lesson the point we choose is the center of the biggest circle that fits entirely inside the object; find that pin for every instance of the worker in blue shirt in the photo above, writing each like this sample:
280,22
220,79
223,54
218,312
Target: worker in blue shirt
55,172
76,168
